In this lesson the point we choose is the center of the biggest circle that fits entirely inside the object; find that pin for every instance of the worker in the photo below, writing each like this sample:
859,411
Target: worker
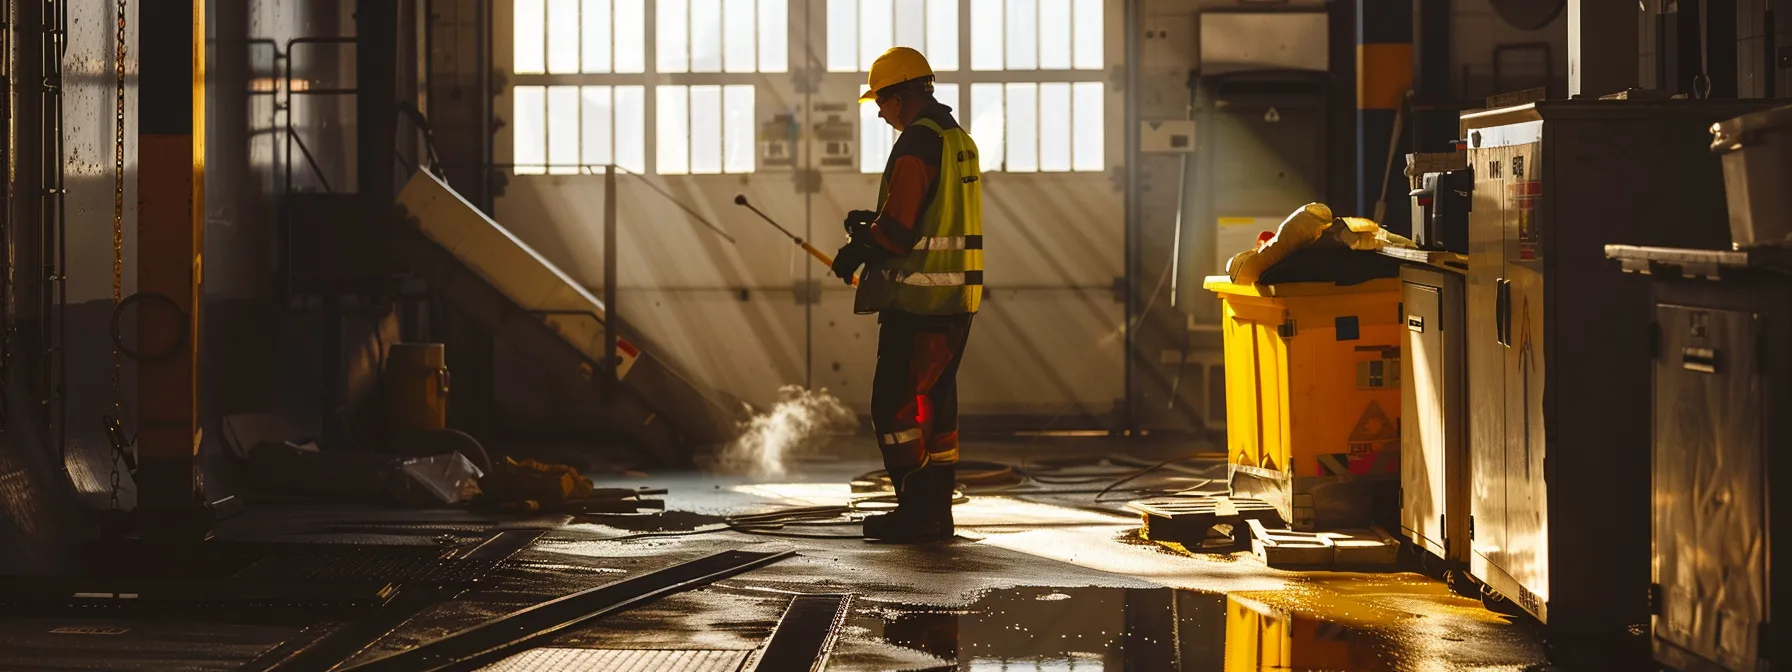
922,254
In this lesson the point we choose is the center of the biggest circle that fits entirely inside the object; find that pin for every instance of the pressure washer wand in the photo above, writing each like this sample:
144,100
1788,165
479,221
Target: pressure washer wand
741,200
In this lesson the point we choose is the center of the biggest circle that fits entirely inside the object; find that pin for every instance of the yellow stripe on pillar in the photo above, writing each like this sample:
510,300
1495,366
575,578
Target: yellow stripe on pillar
170,270
1383,74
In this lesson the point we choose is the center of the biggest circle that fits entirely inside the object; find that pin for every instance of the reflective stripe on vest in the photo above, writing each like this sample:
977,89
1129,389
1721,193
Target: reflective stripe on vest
950,243
943,273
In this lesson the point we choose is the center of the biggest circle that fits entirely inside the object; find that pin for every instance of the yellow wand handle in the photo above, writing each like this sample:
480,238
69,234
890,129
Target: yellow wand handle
824,258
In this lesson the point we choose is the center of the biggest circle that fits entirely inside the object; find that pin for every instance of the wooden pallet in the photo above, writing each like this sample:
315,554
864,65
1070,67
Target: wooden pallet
1342,549
1187,520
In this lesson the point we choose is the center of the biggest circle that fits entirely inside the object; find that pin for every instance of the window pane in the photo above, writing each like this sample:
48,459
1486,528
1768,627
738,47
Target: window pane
1089,129
595,20
911,27
563,129
1023,35
1054,34
529,142
986,44
774,33
631,128
875,139
706,130
737,128
706,35
674,36
673,134
988,124
947,94
563,36
527,56
631,37
1088,34
1054,127
737,35
874,31
1022,150
843,36
597,120
942,35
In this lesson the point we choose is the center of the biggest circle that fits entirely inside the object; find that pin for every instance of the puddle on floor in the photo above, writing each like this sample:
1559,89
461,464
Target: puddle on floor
1148,629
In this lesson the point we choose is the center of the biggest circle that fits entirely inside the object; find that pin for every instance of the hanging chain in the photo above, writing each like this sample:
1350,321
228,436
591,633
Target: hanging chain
118,236
7,226
1701,85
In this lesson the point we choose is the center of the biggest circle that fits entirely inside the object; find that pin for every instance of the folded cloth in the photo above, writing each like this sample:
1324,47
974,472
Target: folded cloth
1312,226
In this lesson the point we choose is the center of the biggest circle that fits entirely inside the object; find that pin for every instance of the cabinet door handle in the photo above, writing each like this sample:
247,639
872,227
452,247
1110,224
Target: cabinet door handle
1702,360
1502,311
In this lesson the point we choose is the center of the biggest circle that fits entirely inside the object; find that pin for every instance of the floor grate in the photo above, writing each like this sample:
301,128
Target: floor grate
620,660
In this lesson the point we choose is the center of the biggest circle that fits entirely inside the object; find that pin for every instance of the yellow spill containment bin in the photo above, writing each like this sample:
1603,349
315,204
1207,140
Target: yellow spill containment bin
1312,396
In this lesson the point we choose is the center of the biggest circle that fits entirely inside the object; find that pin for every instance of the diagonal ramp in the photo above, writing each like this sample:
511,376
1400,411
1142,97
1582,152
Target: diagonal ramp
495,278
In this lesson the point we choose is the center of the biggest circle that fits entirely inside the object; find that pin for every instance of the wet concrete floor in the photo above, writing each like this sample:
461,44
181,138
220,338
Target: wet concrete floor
1053,583
1033,582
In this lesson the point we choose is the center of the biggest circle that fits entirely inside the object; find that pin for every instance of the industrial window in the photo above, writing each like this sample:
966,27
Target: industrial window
722,35
860,30
564,37
1037,35
1039,126
705,130
558,129
581,99
1036,97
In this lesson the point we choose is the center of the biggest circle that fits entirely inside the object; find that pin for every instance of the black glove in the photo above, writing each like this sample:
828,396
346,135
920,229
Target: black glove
858,219
854,254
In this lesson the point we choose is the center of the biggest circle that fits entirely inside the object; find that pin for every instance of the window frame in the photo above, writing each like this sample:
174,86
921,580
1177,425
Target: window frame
965,76
650,79
771,88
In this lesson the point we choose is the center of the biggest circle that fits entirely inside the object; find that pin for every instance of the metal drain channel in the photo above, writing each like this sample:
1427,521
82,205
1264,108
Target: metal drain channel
805,636
490,641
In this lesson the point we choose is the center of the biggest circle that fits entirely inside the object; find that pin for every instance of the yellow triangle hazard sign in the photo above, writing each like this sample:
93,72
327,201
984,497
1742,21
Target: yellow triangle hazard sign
1374,425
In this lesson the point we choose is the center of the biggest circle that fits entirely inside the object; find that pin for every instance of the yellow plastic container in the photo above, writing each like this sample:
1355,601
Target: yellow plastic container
1312,395
417,385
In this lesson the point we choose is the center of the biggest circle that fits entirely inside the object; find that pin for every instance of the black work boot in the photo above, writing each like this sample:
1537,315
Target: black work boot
923,506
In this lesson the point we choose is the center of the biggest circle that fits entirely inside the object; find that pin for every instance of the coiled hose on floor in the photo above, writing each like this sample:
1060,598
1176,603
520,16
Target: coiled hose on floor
974,478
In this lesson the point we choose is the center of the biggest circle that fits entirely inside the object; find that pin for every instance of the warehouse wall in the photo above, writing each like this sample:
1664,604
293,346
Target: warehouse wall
1047,343
89,122
1480,40
1755,65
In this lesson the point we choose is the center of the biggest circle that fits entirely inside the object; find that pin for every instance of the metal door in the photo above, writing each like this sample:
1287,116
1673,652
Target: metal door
1423,444
1526,548
1255,164
1710,524
1486,368
1526,551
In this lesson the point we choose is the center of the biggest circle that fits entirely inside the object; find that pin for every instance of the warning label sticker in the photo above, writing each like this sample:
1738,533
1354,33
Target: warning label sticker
1375,434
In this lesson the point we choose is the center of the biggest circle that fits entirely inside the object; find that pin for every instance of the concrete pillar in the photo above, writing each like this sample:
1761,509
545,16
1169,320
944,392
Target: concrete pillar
1383,75
171,228
1602,46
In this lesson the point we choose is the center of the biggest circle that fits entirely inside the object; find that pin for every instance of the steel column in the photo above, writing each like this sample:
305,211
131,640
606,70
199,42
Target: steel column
171,228
1383,76
1435,122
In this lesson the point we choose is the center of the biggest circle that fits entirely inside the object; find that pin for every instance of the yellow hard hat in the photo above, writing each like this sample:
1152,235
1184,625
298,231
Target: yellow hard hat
895,66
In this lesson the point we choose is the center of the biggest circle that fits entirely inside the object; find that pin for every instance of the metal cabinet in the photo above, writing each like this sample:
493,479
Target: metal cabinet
1722,382
1433,442
1559,494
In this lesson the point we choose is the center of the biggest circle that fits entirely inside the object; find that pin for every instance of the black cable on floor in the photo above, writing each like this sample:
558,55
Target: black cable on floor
772,523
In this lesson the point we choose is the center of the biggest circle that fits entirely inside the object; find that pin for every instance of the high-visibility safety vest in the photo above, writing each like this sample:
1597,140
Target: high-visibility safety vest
943,273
